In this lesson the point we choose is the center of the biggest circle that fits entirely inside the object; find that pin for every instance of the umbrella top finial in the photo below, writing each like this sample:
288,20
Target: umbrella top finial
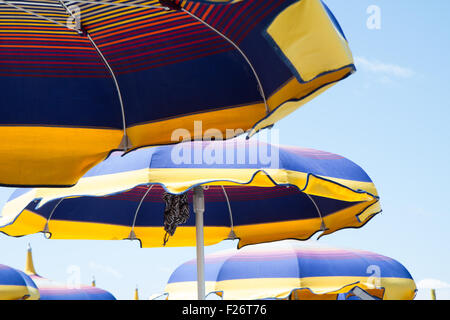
29,265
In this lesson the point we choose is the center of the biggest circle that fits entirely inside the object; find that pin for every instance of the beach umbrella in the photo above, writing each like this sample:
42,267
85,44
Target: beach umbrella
257,193
82,78
52,290
16,285
288,270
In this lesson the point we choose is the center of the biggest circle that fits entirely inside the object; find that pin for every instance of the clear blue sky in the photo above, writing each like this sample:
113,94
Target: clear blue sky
391,117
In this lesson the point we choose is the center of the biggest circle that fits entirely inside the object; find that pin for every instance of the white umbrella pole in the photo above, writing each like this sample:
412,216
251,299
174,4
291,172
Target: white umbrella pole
199,209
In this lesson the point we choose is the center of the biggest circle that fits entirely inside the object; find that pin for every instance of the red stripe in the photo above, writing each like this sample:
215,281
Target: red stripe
41,63
142,30
128,25
166,50
180,60
251,13
255,22
164,54
121,18
161,39
166,58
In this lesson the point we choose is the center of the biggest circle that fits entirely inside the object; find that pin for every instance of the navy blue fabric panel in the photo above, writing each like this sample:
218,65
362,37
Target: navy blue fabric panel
328,165
188,272
13,277
296,264
120,210
100,209
207,83
273,68
357,266
86,102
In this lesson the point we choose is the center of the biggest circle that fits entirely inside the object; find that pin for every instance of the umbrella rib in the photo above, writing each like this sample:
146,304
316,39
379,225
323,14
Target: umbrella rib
260,87
232,235
132,234
46,228
322,226
8,3
125,144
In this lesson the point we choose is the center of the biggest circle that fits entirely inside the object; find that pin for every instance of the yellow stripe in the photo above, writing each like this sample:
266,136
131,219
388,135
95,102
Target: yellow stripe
308,91
178,180
308,38
313,46
35,31
29,222
107,26
26,141
28,14
18,293
260,288
299,229
66,154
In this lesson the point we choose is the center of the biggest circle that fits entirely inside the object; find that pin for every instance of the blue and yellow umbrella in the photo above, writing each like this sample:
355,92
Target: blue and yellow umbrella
287,270
52,290
254,191
16,285
254,200
82,78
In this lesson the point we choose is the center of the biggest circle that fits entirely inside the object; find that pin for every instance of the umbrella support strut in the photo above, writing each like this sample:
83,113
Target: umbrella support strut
199,209
125,143
258,81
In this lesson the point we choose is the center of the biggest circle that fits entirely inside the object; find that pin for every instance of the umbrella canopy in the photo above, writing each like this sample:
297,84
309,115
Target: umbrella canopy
16,285
288,270
82,78
52,290
123,197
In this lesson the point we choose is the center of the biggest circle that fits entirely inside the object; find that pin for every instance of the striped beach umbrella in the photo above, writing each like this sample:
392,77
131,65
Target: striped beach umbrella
290,192
256,193
53,290
82,78
16,285
288,270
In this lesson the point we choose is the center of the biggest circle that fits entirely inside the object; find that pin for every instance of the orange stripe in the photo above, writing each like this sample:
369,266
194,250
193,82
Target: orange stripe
46,39
126,29
46,47
49,36
23,27
106,21
207,13
125,25
195,7
149,34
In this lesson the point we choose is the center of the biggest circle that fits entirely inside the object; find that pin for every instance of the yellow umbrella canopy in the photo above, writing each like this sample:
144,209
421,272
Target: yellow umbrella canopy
82,78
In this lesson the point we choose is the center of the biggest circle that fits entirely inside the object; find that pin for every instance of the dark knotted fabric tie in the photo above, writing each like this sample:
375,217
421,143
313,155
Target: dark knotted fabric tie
176,212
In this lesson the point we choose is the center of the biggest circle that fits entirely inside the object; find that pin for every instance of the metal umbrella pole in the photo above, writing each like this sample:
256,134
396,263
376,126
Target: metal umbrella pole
199,209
